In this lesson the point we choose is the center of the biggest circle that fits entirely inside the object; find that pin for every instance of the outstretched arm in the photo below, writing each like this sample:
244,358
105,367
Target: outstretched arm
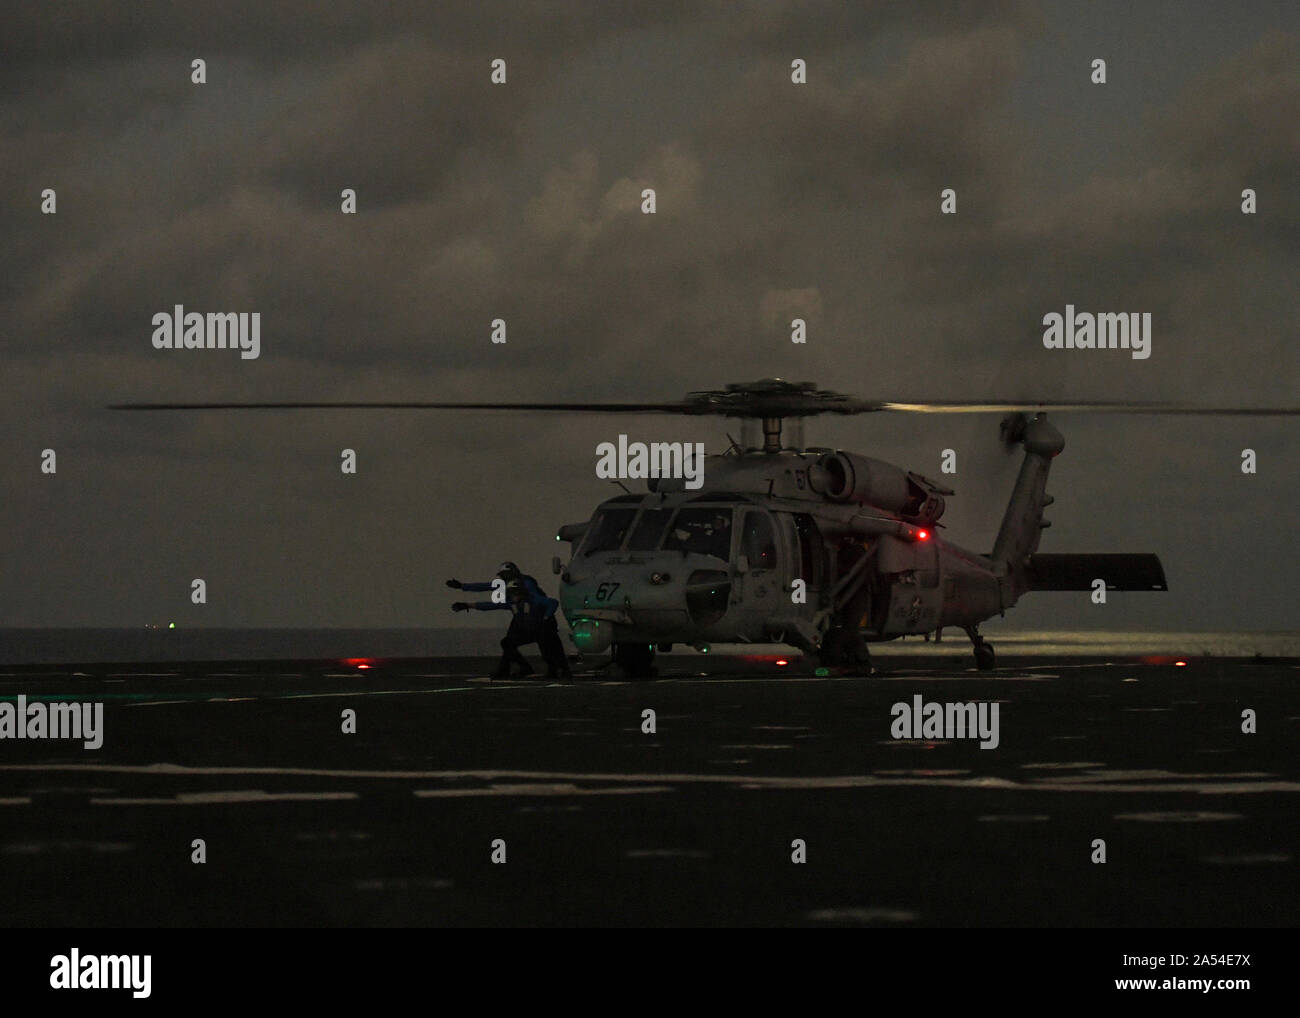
473,587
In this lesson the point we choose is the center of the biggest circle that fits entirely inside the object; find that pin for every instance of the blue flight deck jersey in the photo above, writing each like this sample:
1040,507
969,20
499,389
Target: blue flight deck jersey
535,607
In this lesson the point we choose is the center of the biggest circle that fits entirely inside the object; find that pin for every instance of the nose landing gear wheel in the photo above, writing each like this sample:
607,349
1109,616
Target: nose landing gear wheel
634,660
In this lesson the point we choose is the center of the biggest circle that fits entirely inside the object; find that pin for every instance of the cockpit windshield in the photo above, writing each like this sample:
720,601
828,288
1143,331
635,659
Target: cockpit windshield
703,531
650,530
607,530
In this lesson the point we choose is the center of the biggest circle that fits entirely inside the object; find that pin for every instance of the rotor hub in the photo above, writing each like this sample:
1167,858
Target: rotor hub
770,399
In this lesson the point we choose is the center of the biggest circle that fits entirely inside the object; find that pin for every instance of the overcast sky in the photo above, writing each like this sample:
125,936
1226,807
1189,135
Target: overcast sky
522,201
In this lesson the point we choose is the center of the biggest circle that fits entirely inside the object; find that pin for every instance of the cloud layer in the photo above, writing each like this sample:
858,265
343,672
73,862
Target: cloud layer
522,202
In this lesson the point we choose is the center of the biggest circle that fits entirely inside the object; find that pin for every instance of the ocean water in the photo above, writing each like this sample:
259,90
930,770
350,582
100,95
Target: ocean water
1097,643
57,646
69,646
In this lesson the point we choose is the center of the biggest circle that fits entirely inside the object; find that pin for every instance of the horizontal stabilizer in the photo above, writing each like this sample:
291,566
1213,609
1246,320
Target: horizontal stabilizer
1077,572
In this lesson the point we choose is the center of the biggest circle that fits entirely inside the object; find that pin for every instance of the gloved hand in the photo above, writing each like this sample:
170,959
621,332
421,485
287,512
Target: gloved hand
455,584
460,606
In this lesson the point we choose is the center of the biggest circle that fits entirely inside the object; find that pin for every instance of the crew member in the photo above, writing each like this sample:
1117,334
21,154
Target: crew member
533,622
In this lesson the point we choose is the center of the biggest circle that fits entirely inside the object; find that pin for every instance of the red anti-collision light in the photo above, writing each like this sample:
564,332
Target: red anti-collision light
923,535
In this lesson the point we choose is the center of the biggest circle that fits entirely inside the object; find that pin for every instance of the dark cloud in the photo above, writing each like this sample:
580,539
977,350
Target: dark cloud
80,31
522,202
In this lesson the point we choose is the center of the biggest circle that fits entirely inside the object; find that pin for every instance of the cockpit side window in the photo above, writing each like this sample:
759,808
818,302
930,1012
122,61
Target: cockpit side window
607,530
758,541
702,531
649,530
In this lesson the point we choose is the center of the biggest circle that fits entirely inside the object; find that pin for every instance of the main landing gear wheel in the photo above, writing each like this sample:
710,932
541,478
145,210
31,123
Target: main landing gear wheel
634,660
845,649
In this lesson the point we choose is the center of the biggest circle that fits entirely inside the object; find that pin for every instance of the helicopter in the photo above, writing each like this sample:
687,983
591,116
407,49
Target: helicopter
820,549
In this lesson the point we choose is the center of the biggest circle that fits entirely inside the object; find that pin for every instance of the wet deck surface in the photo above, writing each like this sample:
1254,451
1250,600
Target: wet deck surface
605,825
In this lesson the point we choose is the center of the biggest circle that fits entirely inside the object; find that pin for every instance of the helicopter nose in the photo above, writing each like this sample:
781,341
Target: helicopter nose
655,603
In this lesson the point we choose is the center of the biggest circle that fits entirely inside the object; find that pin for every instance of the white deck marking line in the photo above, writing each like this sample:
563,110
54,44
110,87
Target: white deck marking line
534,790
302,696
209,798
742,781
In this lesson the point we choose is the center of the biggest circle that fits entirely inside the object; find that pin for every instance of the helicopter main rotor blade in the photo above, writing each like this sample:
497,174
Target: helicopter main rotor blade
593,408
1093,406
755,409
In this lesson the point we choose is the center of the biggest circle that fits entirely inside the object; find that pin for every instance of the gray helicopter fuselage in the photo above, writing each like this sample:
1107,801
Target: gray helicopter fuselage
764,553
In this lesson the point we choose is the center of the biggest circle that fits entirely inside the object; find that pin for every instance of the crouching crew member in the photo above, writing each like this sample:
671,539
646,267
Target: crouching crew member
533,621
